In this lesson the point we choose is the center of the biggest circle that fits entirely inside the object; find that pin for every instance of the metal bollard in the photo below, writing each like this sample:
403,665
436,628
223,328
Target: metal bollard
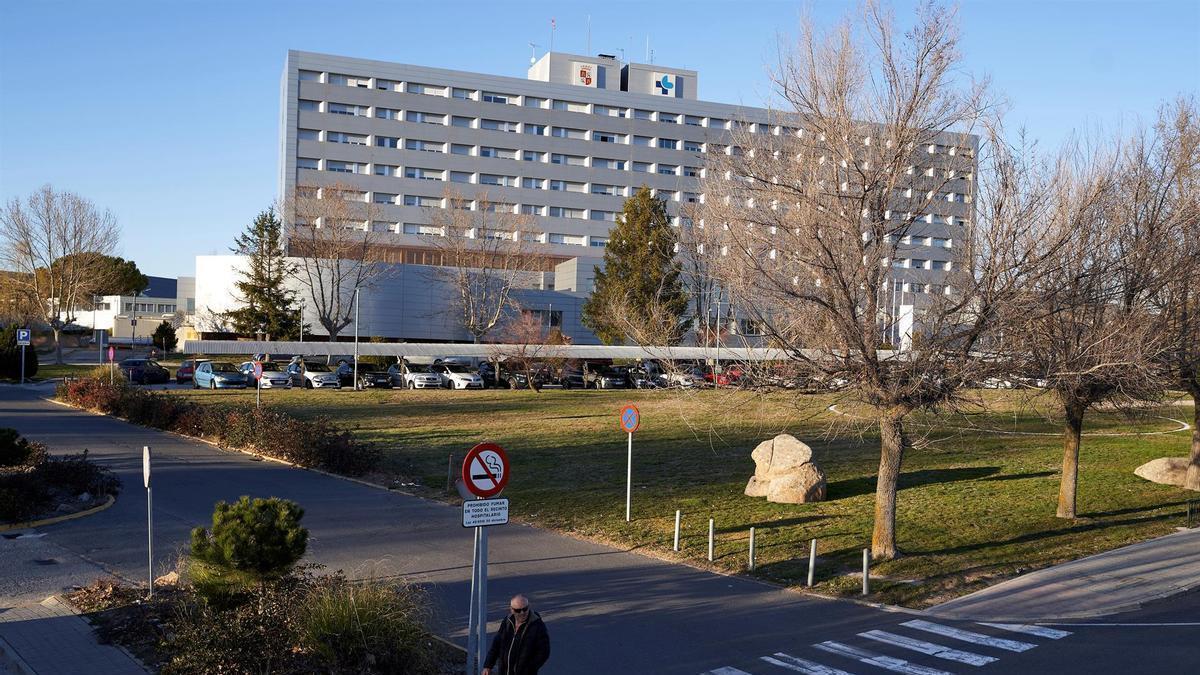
812,561
866,571
752,549
676,529
450,474
711,533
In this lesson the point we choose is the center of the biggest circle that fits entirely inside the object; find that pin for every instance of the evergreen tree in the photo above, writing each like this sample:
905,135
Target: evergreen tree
164,336
266,302
639,294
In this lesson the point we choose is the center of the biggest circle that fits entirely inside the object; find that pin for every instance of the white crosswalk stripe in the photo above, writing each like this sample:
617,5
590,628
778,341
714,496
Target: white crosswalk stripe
727,670
929,648
968,636
801,665
878,660
1040,631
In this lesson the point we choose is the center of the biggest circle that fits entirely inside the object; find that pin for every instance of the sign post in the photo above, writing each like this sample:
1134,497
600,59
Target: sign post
23,340
149,516
112,352
258,370
631,419
484,475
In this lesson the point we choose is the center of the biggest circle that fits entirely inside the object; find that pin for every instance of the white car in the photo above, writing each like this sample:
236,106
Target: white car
313,376
418,376
681,379
455,376
272,378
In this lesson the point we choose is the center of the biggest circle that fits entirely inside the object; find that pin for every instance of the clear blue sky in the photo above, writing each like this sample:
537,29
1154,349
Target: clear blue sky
166,112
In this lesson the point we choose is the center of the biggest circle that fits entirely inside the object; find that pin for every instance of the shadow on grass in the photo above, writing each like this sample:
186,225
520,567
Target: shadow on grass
769,524
854,487
1091,526
1023,476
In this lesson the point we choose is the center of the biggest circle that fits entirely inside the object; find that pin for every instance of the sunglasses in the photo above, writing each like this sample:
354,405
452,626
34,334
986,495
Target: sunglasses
519,611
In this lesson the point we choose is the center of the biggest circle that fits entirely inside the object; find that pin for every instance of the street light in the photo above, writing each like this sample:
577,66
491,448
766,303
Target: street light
356,339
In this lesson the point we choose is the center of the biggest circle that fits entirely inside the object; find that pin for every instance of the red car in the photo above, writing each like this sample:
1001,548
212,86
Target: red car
186,370
729,375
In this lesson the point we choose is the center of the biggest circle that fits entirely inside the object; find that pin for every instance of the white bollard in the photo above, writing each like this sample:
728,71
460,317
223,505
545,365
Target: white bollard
866,571
812,561
711,533
752,549
676,529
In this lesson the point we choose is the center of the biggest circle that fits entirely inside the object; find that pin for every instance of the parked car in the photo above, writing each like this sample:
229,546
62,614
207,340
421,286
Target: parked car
144,371
374,378
273,376
684,379
571,377
608,377
646,378
313,375
457,376
414,376
345,373
218,375
185,370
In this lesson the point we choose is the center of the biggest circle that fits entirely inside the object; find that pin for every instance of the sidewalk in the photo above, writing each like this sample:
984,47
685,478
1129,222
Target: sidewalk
47,637
1106,583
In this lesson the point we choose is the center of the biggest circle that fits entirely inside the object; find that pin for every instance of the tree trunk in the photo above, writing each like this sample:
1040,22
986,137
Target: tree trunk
1069,483
58,358
1192,480
891,453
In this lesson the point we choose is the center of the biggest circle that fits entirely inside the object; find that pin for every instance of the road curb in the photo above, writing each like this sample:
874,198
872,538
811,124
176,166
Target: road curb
59,519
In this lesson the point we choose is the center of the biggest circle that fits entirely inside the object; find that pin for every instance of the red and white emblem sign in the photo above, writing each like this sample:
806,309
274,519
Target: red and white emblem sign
585,74
485,470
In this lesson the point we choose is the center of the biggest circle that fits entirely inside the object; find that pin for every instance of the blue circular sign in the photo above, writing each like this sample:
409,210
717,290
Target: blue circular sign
631,419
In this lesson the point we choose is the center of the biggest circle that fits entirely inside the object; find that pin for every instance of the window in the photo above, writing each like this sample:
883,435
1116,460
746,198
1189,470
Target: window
569,160
498,153
342,137
462,122
572,239
308,135
349,81
566,186
643,141
310,106
643,167
424,117
668,144
387,85
498,125
598,242
533,183
717,123
387,170
387,113
496,179
382,226
424,146
535,129
533,156
610,111
493,97
565,132
344,167
496,207
691,171
693,146
693,121
427,202
940,242
607,137
460,177
939,265
385,198
609,216
534,102
690,197
669,118
460,149
346,109
570,106
427,89
418,228
899,263
422,174
603,163
919,264
460,93
602,189
307,163
387,141
642,114
533,209
310,76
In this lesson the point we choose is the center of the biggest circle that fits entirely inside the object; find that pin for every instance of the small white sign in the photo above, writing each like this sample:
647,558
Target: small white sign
484,512
23,337
146,465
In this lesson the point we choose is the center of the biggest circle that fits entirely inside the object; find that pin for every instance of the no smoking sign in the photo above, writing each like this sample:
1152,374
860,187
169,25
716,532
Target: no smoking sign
485,470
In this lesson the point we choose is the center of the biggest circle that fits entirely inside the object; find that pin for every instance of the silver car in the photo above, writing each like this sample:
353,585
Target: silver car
417,376
313,376
273,376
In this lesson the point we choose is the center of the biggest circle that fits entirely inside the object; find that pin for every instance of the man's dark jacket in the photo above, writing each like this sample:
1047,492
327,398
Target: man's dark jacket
519,651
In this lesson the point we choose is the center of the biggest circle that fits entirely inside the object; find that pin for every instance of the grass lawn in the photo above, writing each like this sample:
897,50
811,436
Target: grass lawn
975,505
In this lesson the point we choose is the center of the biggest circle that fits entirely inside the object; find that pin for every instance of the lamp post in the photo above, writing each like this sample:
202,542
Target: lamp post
302,321
356,339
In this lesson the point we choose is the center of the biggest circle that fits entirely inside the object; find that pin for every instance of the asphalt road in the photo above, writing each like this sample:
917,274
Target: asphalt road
608,610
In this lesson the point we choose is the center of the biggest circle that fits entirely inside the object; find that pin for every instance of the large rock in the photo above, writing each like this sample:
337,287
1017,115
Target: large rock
784,472
1168,470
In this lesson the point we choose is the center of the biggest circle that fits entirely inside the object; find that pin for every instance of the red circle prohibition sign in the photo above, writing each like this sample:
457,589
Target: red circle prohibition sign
485,470
631,419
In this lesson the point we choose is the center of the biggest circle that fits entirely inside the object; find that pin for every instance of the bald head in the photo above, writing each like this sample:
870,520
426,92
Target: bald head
518,602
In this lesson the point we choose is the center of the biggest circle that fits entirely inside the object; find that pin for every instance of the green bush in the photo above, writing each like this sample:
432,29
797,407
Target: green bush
10,355
77,474
16,451
30,479
164,336
251,541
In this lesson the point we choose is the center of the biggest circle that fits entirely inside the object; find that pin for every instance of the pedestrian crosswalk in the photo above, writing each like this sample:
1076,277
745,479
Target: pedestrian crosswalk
832,657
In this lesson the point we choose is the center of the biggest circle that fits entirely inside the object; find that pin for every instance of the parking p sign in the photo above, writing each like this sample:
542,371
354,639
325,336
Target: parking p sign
23,335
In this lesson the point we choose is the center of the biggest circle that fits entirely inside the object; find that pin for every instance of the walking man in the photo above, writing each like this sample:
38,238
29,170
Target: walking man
522,645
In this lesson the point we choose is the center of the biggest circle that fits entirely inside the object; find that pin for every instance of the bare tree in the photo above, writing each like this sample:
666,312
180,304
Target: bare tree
805,217
49,243
331,236
485,252
527,345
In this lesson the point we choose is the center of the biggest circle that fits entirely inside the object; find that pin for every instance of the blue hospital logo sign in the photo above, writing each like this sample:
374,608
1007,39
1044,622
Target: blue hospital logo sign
664,84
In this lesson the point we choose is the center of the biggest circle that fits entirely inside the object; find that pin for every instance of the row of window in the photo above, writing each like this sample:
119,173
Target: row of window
147,307
920,264
423,229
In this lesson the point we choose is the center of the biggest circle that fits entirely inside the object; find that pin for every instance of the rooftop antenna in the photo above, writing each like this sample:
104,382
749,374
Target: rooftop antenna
532,53
553,26
589,35
651,56
622,50
647,47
